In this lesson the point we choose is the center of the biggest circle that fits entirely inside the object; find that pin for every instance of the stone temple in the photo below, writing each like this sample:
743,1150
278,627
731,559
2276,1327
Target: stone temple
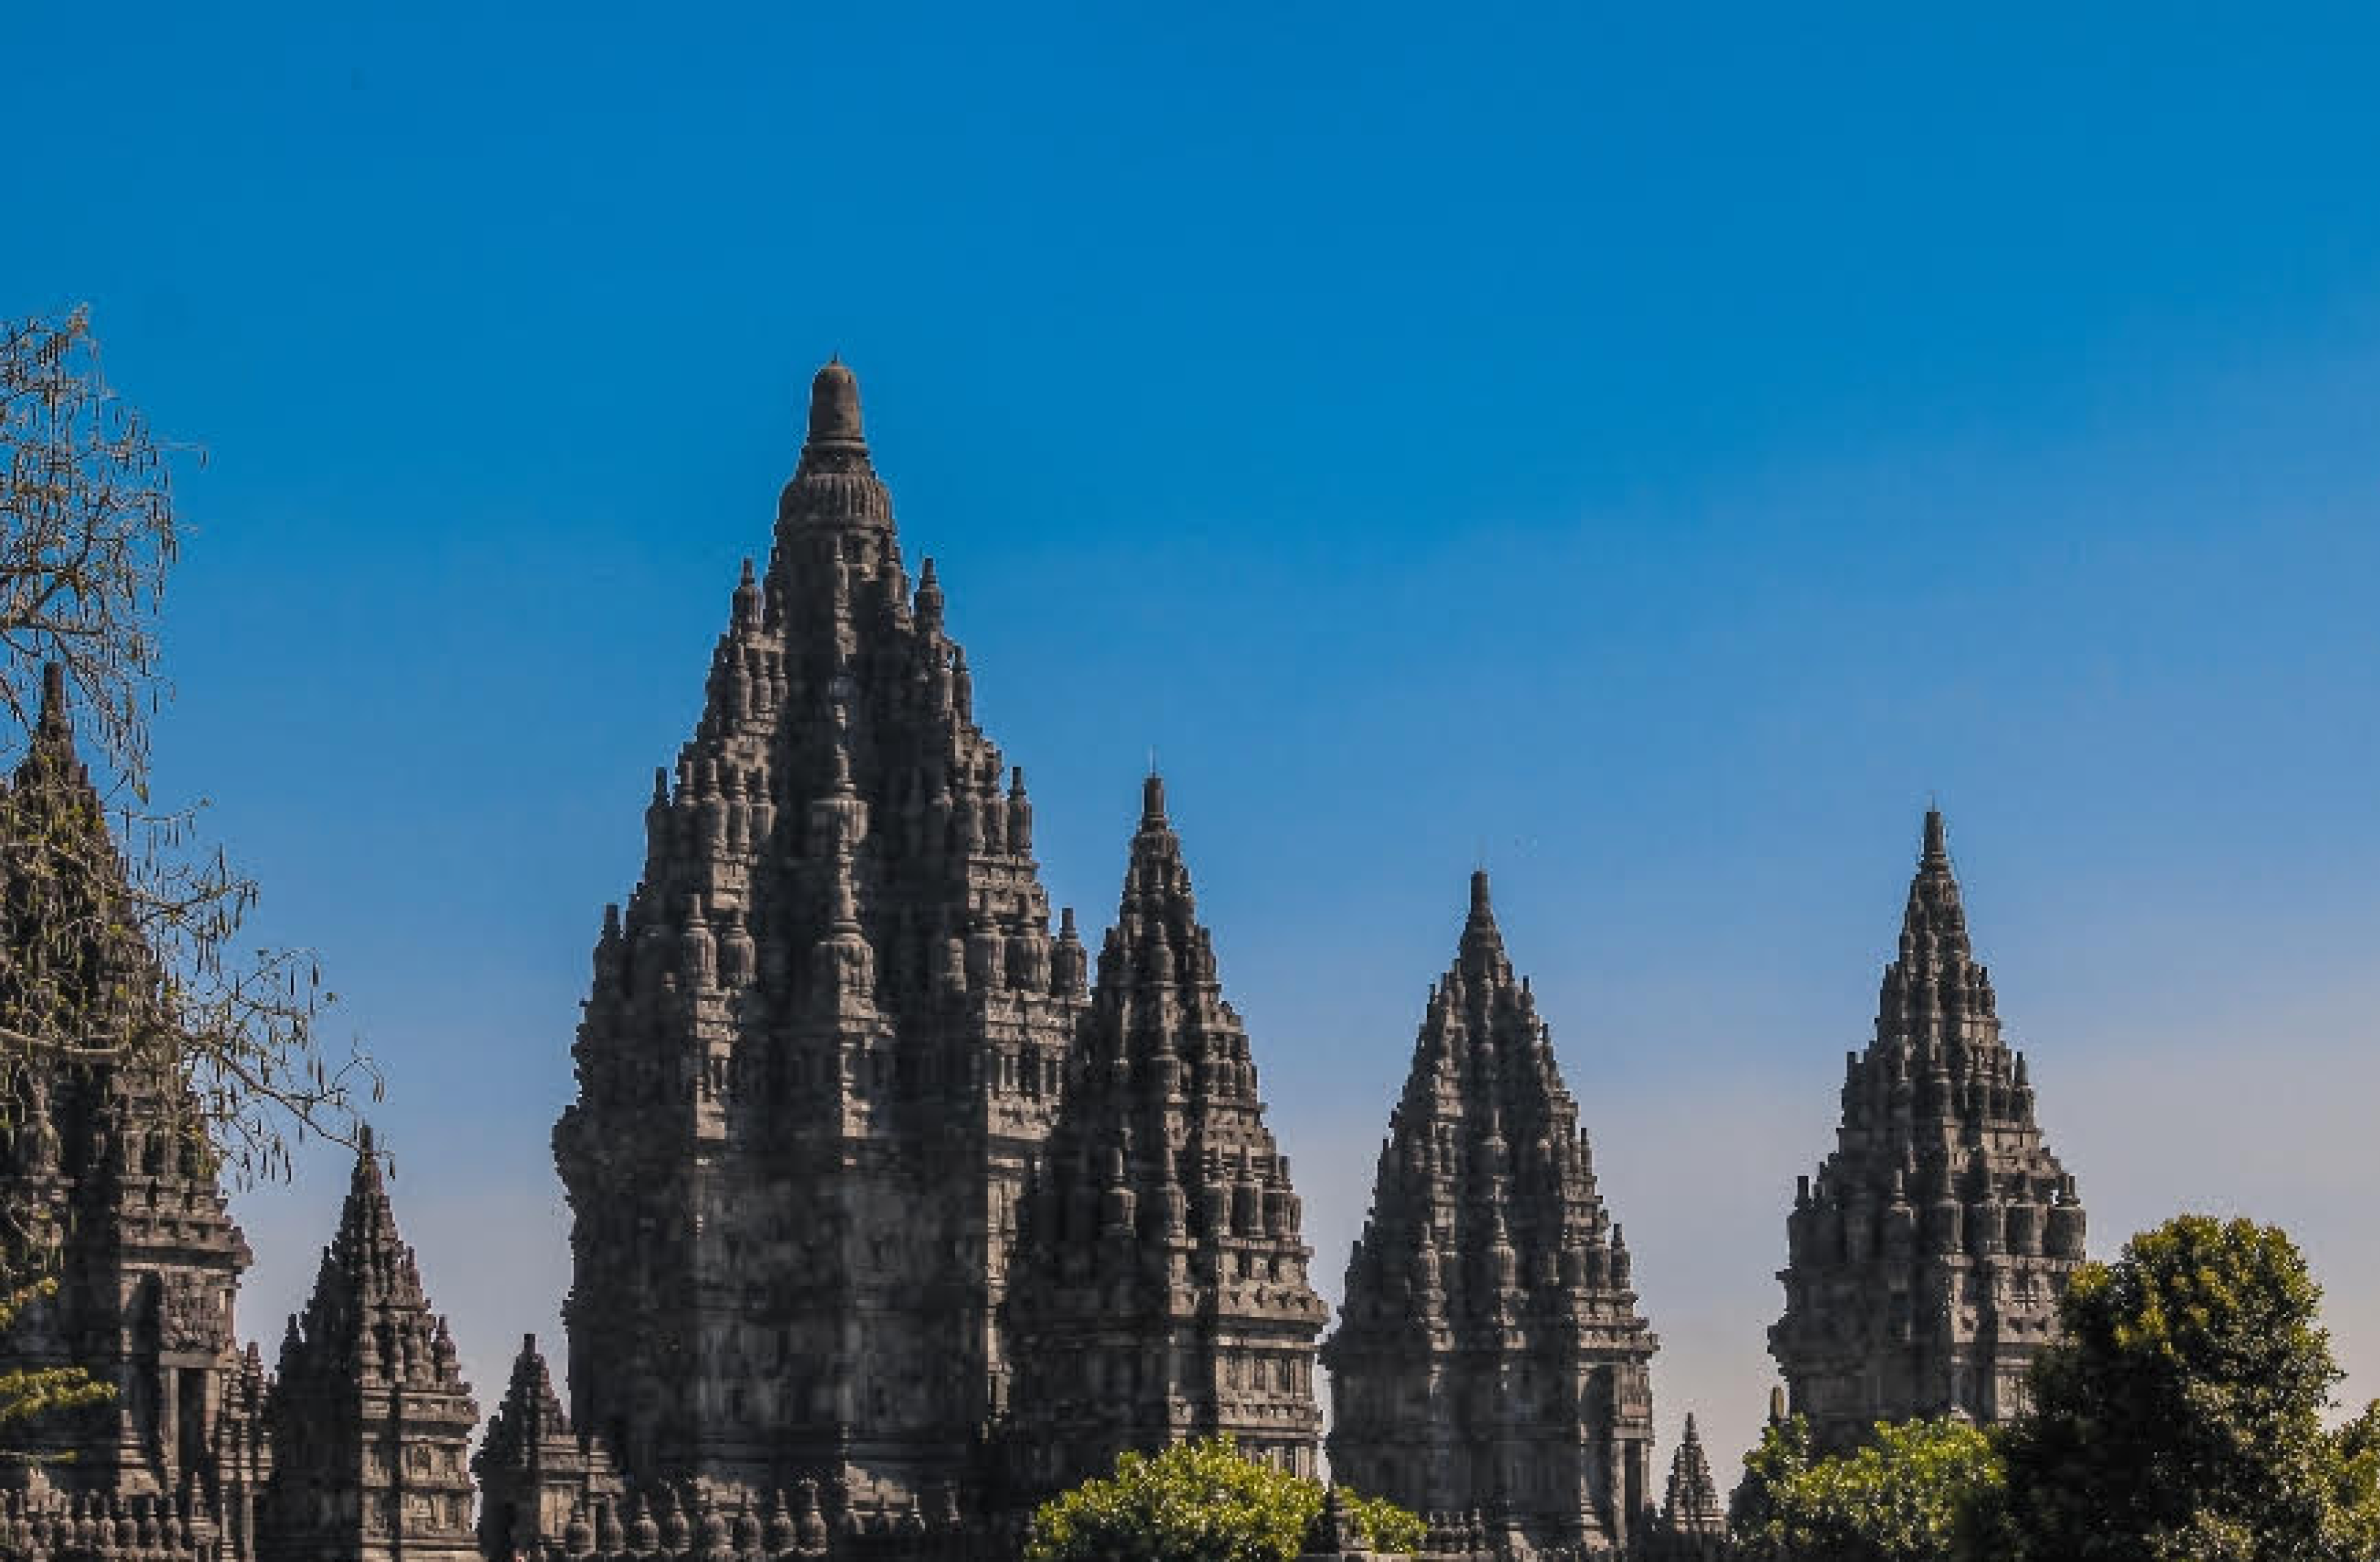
1926,1259
1491,1359
353,1451
1159,1291
891,1215
824,1044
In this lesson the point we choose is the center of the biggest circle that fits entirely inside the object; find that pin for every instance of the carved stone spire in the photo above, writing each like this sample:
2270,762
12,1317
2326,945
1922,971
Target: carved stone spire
1489,1259
1161,1196
1691,1506
822,1039
1925,1259
370,1418
530,1463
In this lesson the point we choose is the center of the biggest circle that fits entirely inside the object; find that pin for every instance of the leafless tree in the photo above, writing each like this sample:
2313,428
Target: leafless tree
121,929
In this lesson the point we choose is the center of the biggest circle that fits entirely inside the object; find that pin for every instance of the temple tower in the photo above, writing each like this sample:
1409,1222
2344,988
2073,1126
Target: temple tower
535,1474
107,1182
821,1044
370,1418
1491,1355
1159,1291
1926,1259
1693,1506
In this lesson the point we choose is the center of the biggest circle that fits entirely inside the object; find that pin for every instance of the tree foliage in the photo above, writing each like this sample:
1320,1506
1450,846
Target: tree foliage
2179,1416
1201,1502
123,932
1920,1491
28,1392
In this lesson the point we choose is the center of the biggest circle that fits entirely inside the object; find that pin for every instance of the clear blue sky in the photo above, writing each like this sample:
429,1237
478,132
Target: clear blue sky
1658,453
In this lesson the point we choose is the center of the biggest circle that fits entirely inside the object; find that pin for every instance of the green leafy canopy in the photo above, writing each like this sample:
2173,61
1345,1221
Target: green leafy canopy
1201,1501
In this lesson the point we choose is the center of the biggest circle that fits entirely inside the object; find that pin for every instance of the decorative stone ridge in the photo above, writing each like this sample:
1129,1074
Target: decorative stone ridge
1490,1362
1159,1291
1925,1261
820,1045
126,1216
369,1415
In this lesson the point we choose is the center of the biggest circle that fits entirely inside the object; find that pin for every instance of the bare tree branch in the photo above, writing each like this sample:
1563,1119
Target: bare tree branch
121,950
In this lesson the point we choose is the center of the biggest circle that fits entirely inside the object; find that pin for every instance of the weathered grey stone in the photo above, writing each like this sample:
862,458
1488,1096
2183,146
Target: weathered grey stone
1490,1360
1925,1261
370,1418
821,1045
1158,1291
1691,1506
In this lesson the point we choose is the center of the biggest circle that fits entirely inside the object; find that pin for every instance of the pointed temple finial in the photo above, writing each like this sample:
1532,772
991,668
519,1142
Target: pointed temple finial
1152,802
834,406
1479,902
1938,848
57,721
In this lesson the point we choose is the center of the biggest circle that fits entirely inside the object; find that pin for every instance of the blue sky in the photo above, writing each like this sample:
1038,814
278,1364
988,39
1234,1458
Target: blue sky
1654,452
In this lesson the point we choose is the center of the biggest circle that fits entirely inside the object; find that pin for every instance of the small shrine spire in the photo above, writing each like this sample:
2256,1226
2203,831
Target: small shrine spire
368,1329
1692,1505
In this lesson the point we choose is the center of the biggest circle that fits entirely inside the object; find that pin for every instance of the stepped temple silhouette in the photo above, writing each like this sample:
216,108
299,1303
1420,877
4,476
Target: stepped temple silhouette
893,1211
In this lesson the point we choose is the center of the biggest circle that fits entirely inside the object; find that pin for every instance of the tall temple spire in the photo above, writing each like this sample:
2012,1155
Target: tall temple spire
1925,1258
1489,1259
369,1413
822,1040
1161,1192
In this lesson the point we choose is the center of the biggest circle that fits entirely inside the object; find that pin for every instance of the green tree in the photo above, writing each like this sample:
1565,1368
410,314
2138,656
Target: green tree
1201,1502
27,1392
1920,1491
2180,1417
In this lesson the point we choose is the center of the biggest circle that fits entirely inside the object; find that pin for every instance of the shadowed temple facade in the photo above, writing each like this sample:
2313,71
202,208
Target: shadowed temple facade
894,1210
